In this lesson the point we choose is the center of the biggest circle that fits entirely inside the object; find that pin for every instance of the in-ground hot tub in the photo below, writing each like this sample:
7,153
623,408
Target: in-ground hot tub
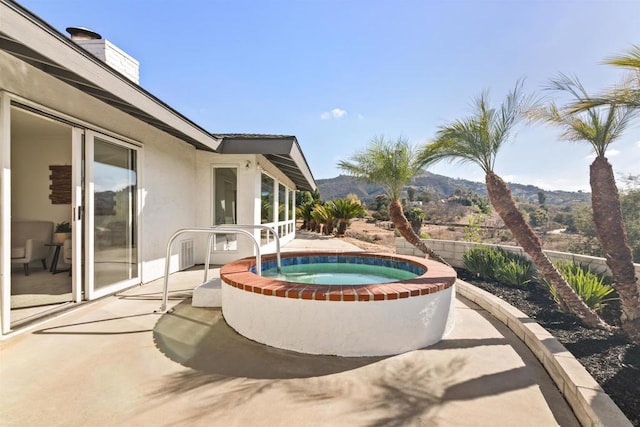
370,319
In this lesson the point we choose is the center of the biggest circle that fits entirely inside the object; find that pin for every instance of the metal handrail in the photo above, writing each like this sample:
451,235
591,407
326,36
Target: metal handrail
211,231
255,227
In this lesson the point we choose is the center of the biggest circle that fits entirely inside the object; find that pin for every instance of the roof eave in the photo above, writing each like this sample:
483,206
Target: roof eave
282,151
28,37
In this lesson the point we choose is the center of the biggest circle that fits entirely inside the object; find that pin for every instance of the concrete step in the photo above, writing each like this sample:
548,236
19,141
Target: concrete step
208,294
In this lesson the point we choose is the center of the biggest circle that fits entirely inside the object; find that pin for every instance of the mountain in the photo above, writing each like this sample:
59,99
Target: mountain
443,187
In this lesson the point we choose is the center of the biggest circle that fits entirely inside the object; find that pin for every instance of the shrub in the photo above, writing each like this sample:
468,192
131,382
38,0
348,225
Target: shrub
476,261
415,216
514,272
594,289
498,264
505,236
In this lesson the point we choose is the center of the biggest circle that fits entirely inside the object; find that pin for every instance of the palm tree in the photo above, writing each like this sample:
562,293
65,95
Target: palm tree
392,165
344,211
323,215
477,140
303,212
600,126
627,93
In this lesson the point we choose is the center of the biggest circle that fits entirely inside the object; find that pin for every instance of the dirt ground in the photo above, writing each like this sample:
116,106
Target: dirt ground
370,237
378,237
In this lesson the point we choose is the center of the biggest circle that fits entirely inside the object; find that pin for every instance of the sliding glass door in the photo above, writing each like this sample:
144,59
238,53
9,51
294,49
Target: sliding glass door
112,215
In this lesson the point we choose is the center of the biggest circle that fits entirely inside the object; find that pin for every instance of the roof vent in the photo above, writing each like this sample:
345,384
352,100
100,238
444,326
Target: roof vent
106,51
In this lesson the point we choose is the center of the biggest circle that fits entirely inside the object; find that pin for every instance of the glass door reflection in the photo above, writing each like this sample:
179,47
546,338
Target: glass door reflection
114,214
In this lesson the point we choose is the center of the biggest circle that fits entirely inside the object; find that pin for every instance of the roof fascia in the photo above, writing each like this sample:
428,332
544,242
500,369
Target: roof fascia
299,159
26,28
256,145
269,145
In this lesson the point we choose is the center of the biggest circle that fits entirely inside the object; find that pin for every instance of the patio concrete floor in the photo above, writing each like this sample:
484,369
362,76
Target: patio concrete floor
116,362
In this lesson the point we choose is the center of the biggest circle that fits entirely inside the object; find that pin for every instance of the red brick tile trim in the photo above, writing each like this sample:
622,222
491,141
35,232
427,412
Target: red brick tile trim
437,278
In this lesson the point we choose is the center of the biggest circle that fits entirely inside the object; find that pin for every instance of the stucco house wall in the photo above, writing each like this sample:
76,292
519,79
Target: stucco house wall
167,172
50,84
175,179
249,168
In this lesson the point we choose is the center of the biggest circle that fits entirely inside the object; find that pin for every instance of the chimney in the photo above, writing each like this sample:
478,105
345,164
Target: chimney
106,51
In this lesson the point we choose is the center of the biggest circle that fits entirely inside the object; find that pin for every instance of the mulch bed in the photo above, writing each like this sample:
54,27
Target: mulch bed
609,357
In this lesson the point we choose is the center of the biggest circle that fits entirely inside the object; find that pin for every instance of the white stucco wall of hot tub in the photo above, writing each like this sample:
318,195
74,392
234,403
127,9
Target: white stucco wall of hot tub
341,328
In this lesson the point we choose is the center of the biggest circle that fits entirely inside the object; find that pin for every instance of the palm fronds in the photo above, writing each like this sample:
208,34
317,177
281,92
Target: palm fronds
478,138
391,164
597,125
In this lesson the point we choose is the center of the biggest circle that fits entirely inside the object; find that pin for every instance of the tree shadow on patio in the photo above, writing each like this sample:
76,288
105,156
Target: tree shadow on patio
200,339
401,391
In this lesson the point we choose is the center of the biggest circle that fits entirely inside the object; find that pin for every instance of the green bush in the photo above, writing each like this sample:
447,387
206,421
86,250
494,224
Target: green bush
498,264
505,236
476,261
514,272
594,289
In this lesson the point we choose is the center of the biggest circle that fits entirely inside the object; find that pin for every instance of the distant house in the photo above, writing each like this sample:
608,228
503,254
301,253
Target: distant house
136,169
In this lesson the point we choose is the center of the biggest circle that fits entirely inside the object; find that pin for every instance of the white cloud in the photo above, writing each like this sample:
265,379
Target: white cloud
638,144
336,113
360,116
611,153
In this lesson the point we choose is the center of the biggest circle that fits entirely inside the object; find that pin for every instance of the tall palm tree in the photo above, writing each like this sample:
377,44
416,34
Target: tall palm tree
599,127
391,164
477,139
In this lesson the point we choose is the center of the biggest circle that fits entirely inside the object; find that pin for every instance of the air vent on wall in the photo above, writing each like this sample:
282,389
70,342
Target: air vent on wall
186,254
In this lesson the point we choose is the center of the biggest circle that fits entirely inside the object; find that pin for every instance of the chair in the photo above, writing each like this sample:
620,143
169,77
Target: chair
67,253
28,242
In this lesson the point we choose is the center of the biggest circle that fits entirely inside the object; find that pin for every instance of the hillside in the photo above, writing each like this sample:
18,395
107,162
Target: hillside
443,186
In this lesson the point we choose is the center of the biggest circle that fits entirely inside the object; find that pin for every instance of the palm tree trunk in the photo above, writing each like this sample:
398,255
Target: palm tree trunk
404,228
342,227
607,217
502,200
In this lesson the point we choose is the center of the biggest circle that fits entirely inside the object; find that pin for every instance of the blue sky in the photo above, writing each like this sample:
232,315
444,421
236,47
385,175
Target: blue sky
336,73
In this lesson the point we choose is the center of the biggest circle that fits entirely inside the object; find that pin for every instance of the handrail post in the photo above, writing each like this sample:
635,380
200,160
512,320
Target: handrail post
165,288
207,257
210,231
257,227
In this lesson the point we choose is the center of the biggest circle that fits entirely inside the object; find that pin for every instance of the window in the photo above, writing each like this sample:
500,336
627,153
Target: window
267,196
225,191
225,184
282,207
291,206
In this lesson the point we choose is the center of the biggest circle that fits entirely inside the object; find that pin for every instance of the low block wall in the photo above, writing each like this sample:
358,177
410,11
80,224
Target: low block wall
453,251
